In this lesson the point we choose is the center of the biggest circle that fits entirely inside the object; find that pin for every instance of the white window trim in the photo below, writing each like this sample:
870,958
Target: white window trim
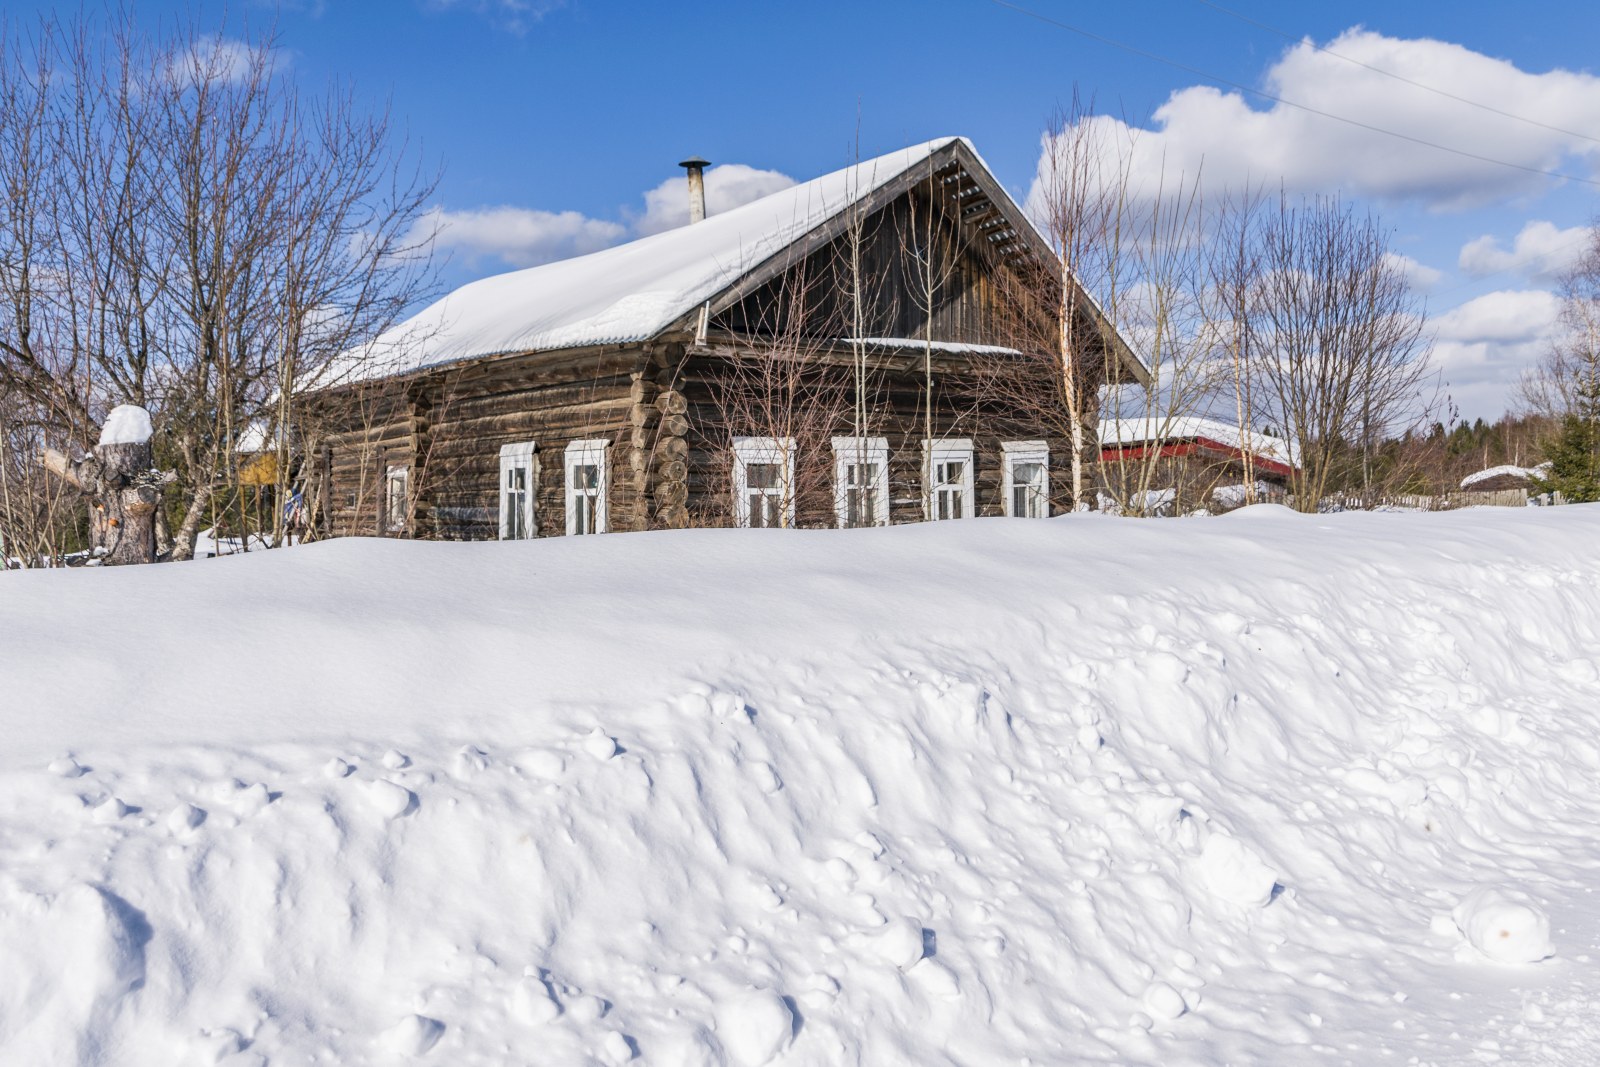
747,450
935,452
848,450
1024,452
522,454
595,450
392,476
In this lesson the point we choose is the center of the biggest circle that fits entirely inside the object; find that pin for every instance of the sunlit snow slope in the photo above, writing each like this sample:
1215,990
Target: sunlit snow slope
1264,789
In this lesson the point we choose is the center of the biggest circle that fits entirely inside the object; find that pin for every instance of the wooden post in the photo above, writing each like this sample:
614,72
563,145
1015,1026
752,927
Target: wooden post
383,492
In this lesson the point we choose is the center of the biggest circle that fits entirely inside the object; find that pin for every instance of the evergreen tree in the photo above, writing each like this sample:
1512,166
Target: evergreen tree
1574,454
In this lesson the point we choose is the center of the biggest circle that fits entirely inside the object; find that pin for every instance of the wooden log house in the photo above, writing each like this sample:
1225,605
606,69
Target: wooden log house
819,357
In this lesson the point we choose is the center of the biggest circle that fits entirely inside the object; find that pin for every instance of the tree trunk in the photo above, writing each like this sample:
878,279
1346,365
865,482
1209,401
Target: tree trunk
183,540
124,494
125,503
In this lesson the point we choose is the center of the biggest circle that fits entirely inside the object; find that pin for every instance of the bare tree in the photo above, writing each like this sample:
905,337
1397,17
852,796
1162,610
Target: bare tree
1337,343
784,384
193,234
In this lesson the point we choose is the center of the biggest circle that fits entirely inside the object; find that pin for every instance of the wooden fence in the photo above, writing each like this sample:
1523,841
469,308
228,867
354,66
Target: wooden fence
1460,498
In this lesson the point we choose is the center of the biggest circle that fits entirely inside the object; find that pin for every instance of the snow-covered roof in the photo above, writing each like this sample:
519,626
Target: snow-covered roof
1193,427
1505,470
627,293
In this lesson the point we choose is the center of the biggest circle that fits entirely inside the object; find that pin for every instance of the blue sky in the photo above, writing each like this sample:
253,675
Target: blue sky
553,120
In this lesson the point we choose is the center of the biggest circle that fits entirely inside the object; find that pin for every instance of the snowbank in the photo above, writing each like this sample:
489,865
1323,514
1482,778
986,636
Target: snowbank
127,424
1079,791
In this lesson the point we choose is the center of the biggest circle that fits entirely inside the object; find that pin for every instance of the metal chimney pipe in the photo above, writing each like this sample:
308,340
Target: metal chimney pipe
697,187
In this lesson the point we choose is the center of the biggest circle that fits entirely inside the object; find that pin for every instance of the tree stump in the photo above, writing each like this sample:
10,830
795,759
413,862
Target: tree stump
123,487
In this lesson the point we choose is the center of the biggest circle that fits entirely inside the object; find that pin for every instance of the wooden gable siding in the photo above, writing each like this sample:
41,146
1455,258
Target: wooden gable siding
976,301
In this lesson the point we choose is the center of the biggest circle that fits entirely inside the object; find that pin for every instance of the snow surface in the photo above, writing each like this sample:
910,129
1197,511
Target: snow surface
1256,790
626,293
1189,427
127,424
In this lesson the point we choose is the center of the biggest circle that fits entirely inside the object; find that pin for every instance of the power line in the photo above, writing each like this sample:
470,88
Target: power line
1286,35
1133,50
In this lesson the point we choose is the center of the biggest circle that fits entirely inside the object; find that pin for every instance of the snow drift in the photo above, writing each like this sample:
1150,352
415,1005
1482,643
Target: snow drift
1259,789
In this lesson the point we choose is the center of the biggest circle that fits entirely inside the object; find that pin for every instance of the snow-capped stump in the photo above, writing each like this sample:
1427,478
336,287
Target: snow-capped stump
901,944
754,1027
532,1001
413,1035
391,799
1163,1003
66,767
599,744
184,820
1232,871
123,488
1505,927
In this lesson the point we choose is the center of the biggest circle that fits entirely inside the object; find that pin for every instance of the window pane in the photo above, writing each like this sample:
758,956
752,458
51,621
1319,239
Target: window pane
761,475
1028,492
586,476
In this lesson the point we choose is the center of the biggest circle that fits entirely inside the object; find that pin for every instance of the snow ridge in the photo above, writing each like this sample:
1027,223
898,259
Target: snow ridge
920,795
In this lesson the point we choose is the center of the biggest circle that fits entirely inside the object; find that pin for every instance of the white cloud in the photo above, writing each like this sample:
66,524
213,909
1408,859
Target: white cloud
1542,252
224,59
526,237
1484,345
727,187
517,16
518,237
1202,130
1421,277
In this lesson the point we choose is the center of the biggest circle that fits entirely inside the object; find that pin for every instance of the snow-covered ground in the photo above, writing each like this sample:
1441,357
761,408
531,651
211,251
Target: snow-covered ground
1234,790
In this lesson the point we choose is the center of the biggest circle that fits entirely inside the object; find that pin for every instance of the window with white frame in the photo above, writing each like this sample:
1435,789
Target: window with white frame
396,506
1027,479
947,465
519,490
861,481
763,481
586,476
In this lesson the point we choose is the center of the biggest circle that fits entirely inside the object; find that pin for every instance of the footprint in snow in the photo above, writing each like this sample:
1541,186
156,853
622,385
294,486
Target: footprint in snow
599,744
413,1035
469,761
393,801
184,820
67,767
110,810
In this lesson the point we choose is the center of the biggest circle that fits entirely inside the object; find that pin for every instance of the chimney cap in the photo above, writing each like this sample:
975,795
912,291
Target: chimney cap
695,161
